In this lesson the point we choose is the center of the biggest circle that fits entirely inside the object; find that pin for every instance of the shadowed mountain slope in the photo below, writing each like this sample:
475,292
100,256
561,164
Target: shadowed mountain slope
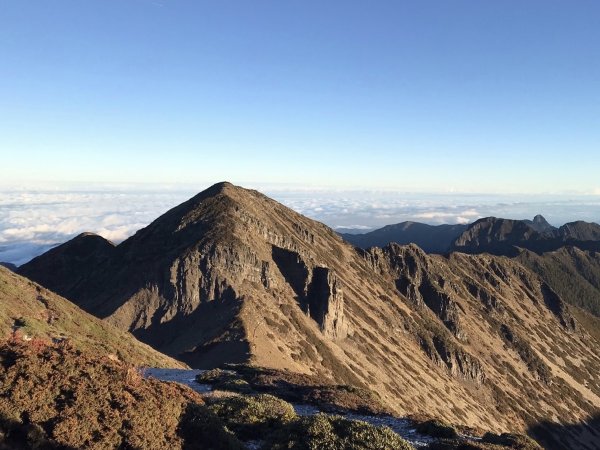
233,276
554,436
573,273
489,235
31,311
580,231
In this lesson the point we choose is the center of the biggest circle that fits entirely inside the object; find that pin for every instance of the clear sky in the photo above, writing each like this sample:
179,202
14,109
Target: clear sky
474,96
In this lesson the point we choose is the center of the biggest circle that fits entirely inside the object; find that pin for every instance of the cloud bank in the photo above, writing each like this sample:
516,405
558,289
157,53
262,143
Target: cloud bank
33,221
368,210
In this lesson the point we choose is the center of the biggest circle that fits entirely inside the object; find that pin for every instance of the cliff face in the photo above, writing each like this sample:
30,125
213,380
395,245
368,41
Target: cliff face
318,291
232,276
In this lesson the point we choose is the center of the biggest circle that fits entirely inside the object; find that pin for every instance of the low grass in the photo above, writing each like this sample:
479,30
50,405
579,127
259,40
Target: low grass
32,311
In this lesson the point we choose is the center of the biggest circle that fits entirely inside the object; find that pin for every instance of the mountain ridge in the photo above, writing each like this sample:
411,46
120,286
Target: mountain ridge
489,234
504,236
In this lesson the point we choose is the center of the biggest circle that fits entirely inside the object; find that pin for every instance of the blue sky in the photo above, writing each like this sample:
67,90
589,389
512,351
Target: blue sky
422,96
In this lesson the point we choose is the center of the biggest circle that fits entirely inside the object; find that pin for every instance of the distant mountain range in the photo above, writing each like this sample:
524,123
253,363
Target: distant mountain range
567,257
233,276
506,236
431,238
489,235
9,266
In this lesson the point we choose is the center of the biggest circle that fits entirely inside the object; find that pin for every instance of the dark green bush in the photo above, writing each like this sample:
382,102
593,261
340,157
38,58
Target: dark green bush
293,387
437,428
253,417
322,432
202,430
20,322
514,441
225,380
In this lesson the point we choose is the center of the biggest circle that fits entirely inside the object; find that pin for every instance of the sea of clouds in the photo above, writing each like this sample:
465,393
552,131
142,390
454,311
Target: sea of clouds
33,221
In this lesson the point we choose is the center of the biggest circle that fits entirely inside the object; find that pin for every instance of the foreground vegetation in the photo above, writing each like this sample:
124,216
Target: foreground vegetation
55,396
293,387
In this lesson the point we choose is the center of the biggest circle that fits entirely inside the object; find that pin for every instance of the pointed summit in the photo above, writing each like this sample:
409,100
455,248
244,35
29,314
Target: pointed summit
541,225
221,245
223,187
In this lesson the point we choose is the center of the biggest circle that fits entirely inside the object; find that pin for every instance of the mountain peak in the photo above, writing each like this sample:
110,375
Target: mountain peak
541,225
222,186
213,206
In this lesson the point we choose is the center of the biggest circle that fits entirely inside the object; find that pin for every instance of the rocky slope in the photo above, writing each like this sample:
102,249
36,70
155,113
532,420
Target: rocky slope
232,276
32,312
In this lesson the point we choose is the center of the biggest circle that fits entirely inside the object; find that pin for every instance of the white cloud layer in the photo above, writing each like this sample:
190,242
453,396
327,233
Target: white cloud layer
33,221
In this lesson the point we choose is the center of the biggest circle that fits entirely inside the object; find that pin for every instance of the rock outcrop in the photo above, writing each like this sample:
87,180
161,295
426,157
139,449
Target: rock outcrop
419,282
318,291
541,225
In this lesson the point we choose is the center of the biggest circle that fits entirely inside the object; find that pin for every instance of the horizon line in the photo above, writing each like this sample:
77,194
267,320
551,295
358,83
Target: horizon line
53,185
